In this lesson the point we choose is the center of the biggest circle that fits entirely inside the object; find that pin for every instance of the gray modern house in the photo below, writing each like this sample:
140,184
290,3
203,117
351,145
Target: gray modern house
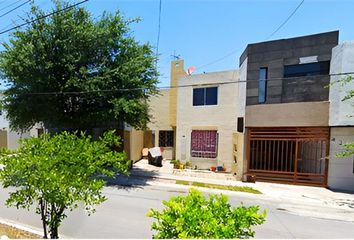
287,108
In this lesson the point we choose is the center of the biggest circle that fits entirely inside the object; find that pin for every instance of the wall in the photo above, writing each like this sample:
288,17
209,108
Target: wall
3,139
160,110
341,170
221,117
10,139
342,62
274,55
136,140
304,114
177,71
159,106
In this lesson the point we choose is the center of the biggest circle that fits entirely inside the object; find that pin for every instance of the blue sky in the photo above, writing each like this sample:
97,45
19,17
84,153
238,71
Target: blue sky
202,31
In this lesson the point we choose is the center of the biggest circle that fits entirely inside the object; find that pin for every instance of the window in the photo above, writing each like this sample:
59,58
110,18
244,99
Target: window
262,86
240,124
308,69
165,138
204,143
205,96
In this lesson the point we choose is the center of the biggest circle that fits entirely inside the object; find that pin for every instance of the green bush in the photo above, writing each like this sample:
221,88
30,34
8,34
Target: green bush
195,216
58,173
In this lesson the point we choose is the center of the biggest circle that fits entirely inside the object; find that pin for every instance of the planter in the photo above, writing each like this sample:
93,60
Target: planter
219,168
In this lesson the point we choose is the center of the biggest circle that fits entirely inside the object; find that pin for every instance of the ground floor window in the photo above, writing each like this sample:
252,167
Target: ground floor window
204,143
166,138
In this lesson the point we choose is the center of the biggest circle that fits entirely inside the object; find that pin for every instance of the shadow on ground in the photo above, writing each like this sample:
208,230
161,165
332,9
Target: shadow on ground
137,178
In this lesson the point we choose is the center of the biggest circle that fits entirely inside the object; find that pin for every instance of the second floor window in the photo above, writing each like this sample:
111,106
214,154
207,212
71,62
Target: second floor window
262,86
205,96
308,69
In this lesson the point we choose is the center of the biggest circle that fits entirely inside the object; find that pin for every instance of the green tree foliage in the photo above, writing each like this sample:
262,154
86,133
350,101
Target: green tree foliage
57,172
92,58
194,216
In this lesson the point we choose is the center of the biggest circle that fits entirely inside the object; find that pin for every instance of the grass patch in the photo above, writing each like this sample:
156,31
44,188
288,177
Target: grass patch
221,187
12,232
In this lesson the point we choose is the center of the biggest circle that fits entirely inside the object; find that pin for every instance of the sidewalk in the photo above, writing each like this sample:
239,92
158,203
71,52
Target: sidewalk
304,199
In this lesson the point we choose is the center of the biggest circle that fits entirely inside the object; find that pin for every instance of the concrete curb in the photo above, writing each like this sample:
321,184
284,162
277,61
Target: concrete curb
21,226
27,228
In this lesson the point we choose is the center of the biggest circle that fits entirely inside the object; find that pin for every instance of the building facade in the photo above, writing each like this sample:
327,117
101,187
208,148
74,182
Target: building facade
287,108
206,119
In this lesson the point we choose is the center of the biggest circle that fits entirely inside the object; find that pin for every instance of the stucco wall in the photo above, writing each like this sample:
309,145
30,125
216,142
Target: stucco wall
341,170
159,106
241,107
177,71
303,114
221,117
136,144
342,62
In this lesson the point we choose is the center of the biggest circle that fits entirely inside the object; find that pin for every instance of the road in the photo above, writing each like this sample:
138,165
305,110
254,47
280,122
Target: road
123,215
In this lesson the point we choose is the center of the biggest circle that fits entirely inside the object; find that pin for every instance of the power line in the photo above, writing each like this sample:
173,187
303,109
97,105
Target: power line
286,20
232,81
14,8
239,49
10,5
220,59
44,16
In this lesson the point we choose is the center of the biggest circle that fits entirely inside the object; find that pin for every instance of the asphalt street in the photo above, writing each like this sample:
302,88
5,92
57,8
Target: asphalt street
123,215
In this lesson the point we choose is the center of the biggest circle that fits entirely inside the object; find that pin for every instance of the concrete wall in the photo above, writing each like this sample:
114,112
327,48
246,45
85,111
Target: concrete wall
341,112
341,170
274,55
221,117
304,114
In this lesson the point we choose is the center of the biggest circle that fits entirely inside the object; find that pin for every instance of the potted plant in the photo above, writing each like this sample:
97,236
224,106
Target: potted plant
188,164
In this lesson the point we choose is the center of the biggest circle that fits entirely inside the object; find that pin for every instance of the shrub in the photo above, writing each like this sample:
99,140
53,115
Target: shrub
195,216
57,173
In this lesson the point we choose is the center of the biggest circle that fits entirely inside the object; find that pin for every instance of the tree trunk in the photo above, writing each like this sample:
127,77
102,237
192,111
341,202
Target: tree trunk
56,217
43,206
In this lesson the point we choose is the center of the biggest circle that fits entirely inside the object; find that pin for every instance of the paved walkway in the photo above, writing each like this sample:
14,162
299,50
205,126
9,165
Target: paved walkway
304,199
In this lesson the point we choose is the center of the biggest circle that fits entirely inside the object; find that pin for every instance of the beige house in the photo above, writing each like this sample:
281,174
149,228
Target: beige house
196,119
207,118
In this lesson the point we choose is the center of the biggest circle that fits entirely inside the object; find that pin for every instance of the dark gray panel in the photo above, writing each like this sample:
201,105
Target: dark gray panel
275,54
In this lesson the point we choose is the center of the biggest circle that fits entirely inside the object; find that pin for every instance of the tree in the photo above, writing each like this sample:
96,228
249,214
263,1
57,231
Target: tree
57,172
72,71
194,216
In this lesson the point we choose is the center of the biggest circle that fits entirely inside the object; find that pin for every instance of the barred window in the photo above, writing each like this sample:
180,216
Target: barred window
204,143
165,138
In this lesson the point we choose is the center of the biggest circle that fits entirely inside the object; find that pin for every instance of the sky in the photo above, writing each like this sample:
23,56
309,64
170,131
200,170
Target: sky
204,31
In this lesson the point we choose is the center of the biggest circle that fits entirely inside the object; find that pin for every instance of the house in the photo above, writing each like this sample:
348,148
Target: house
287,108
195,120
163,111
206,119
277,118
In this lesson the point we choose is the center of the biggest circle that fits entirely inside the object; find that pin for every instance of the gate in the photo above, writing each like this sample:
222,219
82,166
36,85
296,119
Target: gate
289,155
